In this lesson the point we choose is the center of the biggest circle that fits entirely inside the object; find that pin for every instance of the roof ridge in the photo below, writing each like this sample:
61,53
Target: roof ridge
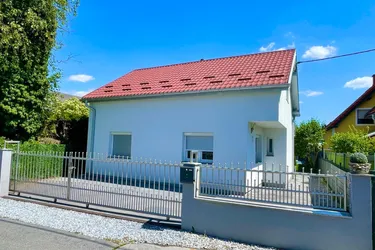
212,59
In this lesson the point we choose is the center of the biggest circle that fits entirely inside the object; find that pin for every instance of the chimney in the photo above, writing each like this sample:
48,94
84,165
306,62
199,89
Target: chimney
373,80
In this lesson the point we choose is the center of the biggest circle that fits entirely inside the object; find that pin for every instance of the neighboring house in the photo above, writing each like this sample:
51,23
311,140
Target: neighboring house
230,110
360,115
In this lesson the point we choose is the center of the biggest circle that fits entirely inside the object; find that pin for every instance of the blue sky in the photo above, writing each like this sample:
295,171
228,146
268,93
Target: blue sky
109,39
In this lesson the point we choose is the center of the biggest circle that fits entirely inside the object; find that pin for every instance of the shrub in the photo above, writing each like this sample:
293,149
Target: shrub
308,141
351,142
41,147
358,158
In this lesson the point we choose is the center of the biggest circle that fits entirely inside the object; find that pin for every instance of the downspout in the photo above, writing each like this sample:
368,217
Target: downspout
91,130
90,136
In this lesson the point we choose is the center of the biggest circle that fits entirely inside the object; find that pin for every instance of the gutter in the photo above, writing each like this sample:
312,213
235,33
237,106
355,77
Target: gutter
91,130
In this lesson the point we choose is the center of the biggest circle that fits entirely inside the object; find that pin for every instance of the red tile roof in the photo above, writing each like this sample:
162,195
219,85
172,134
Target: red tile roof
271,68
347,111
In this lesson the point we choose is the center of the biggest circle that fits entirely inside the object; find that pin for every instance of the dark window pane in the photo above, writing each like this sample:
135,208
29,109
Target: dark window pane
270,146
207,155
189,154
258,150
362,118
365,121
122,145
362,113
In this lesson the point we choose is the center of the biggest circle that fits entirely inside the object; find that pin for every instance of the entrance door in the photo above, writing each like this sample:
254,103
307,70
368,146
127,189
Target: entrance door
258,149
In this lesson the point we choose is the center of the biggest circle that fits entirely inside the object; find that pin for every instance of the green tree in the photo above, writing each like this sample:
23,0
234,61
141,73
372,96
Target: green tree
62,114
27,75
352,141
309,141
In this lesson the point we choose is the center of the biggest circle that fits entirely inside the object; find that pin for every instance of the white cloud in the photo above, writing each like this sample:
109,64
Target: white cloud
81,93
300,102
290,46
271,47
359,83
81,78
320,52
311,93
267,48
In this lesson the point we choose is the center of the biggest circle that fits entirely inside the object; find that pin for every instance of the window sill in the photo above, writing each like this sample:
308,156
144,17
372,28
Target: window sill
270,155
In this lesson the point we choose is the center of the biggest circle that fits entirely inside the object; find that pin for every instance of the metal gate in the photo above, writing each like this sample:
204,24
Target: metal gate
144,186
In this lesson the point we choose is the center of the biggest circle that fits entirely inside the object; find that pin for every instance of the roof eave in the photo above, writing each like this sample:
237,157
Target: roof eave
294,94
274,86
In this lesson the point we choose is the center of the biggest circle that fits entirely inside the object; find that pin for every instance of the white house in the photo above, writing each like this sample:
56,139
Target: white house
233,109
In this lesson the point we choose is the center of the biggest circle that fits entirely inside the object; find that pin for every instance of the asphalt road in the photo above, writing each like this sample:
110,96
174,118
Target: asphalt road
18,235
15,235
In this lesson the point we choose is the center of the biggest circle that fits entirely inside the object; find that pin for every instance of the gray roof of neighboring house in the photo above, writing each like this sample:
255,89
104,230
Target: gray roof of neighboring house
65,96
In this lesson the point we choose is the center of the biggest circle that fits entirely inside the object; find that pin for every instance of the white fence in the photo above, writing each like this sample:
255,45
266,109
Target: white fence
154,187
143,186
324,191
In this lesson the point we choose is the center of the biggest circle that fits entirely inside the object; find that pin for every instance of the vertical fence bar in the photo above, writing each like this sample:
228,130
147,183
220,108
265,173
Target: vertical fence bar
345,191
70,168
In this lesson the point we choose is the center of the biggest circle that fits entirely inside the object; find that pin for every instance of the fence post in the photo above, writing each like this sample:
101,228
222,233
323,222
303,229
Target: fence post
70,169
373,207
5,168
190,190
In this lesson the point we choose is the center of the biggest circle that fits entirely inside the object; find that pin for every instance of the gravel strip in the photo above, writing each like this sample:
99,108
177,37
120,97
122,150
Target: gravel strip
108,228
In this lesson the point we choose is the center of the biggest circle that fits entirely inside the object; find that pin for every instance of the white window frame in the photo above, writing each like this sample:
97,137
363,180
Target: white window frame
268,146
185,150
111,142
356,117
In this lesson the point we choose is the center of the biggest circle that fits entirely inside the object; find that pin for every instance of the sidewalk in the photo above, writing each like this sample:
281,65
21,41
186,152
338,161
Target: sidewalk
18,235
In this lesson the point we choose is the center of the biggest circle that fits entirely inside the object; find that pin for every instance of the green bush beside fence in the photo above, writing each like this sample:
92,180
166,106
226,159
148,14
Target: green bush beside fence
37,160
342,160
38,165
34,146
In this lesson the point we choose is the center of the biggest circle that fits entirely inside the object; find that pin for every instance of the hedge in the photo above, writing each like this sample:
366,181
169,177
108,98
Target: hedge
34,146
40,166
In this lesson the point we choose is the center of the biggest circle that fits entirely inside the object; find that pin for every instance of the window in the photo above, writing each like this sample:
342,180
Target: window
121,144
270,147
202,143
258,149
362,118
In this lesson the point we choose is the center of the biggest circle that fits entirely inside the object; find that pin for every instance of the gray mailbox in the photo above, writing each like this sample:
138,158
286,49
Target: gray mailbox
187,174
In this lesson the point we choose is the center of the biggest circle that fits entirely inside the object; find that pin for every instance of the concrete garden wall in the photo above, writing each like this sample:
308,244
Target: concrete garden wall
281,226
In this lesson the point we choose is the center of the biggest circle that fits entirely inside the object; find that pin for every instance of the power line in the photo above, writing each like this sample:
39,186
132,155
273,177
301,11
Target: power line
333,57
